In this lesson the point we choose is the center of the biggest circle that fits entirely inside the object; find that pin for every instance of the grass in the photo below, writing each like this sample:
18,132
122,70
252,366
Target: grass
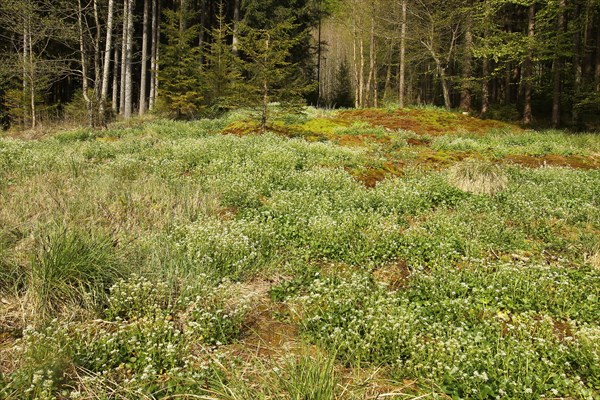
344,255
478,177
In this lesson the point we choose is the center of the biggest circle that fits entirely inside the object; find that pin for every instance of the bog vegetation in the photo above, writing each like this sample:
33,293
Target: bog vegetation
415,253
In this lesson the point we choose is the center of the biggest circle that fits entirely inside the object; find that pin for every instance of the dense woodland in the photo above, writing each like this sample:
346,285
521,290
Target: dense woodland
90,61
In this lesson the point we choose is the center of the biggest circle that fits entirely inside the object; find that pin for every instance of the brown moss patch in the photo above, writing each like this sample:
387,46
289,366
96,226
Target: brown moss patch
562,329
359,140
241,128
371,176
268,336
418,142
430,122
395,275
554,160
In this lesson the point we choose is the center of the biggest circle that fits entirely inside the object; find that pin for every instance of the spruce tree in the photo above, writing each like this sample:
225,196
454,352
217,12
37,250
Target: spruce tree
221,74
270,75
180,72
342,92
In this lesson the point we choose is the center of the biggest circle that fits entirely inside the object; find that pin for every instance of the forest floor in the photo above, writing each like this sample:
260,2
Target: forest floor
354,254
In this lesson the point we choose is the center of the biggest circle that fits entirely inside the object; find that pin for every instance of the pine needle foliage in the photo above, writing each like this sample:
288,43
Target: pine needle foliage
180,68
270,75
222,73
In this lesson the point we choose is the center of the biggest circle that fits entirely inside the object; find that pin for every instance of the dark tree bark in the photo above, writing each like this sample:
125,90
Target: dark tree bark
144,69
467,67
528,68
557,66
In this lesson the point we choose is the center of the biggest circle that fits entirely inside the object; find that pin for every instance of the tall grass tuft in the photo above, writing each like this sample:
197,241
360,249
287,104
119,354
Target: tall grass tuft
478,177
72,268
309,378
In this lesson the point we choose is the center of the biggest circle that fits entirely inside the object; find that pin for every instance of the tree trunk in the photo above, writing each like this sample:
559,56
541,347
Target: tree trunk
557,71
25,73
84,72
183,14
485,87
153,51
445,88
402,67
106,69
97,55
123,57
528,67
115,83
203,28
355,68
372,71
577,71
467,68
388,72
319,56
361,75
236,23
265,102
128,63
144,71
597,66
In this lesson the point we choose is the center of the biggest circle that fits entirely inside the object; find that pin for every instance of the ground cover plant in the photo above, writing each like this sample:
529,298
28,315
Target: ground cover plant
339,255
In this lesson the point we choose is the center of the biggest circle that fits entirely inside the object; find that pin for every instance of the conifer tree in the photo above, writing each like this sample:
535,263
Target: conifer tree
180,72
270,75
221,74
342,91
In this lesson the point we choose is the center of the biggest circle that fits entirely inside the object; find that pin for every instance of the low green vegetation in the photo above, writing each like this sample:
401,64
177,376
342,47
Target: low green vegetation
333,257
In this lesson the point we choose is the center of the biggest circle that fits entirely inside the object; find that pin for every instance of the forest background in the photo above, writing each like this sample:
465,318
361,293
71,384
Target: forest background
89,61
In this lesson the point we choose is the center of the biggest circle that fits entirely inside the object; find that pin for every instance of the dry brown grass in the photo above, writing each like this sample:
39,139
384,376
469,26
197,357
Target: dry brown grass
594,260
478,177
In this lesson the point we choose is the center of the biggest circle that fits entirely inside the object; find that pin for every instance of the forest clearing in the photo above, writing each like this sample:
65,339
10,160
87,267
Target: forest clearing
299,199
354,254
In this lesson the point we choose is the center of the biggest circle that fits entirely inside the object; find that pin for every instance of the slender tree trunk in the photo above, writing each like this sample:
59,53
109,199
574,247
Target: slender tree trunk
123,57
445,87
236,23
97,55
153,50
557,67
183,14
157,61
588,28
106,68
528,67
144,71
25,73
388,72
265,103
467,68
115,83
319,57
402,73
84,71
485,72
597,66
485,87
204,28
577,70
361,75
355,68
372,71
128,63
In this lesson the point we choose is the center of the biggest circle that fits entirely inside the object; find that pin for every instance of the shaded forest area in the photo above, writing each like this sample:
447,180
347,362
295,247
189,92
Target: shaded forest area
89,61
